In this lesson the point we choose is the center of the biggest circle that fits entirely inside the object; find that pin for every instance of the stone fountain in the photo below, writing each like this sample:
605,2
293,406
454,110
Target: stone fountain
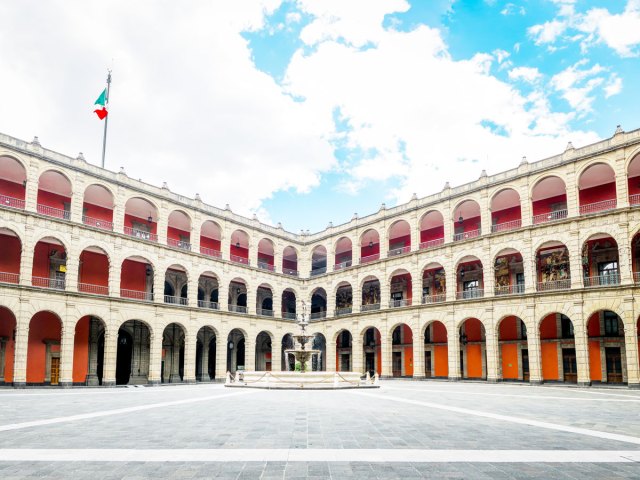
302,379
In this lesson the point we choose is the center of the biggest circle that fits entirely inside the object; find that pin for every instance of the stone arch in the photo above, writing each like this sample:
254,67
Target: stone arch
44,359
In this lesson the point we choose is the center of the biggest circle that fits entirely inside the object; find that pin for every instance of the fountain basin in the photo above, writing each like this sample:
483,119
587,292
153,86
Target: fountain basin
301,380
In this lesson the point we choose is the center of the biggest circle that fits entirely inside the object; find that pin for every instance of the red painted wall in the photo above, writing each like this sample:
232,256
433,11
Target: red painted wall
509,328
41,258
7,326
593,325
435,233
11,189
290,264
510,361
597,194
473,330
474,361
544,206
52,199
441,357
239,251
548,327
94,269
367,250
549,352
439,332
633,183
403,241
81,351
595,364
44,325
174,234
344,257
506,215
133,276
129,219
264,258
97,212
210,243
10,250
468,225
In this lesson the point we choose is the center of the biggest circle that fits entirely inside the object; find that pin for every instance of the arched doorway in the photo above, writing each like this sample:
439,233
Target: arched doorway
343,351
607,353
372,346
514,352
319,361
402,351
43,353
473,354
172,369
205,354
235,351
436,350
558,349
263,352
7,345
88,354
133,353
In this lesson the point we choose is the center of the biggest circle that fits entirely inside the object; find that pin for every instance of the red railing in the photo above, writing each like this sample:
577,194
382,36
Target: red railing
549,217
602,206
95,222
6,277
93,289
634,199
54,212
431,243
370,258
209,252
132,232
42,282
503,227
136,295
237,259
11,202
399,251
172,242
466,235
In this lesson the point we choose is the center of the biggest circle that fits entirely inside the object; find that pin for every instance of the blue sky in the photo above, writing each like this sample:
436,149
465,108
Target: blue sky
305,112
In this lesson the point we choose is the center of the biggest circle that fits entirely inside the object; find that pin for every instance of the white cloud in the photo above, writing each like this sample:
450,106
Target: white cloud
613,87
577,85
547,32
527,74
513,9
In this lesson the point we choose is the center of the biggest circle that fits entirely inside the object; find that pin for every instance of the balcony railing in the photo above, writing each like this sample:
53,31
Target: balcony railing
291,272
549,217
634,199
237,259
602,206
636,277
133,232
175,300
93,289
370,258
210,305
343,311
342,265
468,294
466,235
440,297
317,271
399,251
370,307
11,202
54,212
266,266
289,315
210,252
602,280
237,308
95,222
405,302
136,295
564,284
506,226
509,290
318,315
181,244
431,243
55,283
263,312
6,277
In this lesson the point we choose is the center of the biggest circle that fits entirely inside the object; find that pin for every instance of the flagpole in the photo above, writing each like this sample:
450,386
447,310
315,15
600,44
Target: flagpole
104,137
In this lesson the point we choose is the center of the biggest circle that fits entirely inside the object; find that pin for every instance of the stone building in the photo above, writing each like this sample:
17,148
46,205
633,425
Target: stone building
527,275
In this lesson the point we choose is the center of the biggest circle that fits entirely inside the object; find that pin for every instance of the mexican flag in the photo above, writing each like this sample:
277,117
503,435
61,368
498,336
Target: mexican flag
101,104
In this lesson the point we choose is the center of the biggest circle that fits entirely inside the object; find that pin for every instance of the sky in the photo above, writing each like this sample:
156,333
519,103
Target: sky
307,112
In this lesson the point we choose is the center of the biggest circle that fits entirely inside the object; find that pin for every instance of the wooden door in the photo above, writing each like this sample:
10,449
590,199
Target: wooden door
397,364
525,365
427,364
55,370
569,365
614,364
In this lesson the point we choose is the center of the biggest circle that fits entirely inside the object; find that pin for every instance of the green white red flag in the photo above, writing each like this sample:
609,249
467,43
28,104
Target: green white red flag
101,105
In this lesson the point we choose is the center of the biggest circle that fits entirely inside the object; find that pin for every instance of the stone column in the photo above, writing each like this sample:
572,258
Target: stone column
158,285
530,268
453,350
622,187
118,213
194,234
155,358
20,353
249,353
331,303
253,253
192,291
173,356
110,358
26,260
221,356
276,300
582,350
493,356
624,254
66,353
163,223
276,353
485,213
72,275
573,202
451,276
114,278
386,353
251,301
525,205
418,352
189,373
331,354
357,360
631,343
575,260
77,200
223,295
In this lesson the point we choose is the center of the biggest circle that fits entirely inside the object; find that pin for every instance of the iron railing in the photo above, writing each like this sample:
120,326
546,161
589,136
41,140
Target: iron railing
509,290
634,199
176,300
466,235
210,305
181,244
602,206
370,258
431,243
370,307
237,259
506,226
237,308
263,312
602,280
42,282
93,289
133,232
210,252
399,251
317,315
549,217
289,315
6,277
266,266
54,212
317,271
343,311
342,265
405,302
11,202
136,295
468,294
96,222
438,298
291,272
564,284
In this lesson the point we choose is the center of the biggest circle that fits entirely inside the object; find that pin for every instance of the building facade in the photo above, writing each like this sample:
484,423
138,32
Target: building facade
528,275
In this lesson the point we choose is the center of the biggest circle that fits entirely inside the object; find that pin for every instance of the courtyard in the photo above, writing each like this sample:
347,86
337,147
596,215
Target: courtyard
405,429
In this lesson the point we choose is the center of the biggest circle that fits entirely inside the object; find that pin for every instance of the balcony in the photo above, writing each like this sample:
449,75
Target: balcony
136,295
431,244
636,277
263,312
93,289
54,212
289,315
405,302
237,308
6,277
634,199
607,280
598,207
370,307
181,244
369,258
549,217
266,266
318,271
132,232
175,300
470,294
54,283
506,226
564,284
210,252
237,259
509,290
209,305
11,202
458,237
94,222
343,311
342,265
441,297
318,315
399,251
290,272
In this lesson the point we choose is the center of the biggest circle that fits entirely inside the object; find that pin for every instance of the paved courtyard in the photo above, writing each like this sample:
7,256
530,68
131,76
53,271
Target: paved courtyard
403,430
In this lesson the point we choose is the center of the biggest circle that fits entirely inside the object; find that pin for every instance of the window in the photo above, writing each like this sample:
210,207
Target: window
611,327
523,329
519,282
396,340
608,273
427,335
370,338
567,327
471,289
